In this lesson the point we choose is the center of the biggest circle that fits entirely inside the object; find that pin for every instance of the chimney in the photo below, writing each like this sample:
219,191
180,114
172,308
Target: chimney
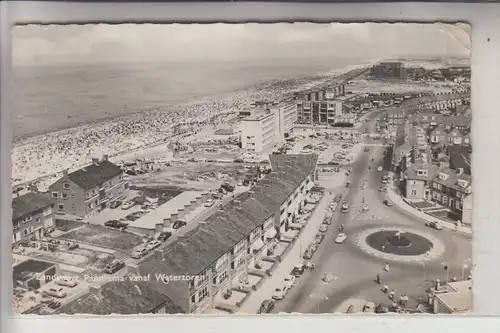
132,268
65,172
460,171
159,255
95,161
96,290
105,157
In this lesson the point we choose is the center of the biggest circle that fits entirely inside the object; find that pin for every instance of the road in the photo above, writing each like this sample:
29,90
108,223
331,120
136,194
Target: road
354,270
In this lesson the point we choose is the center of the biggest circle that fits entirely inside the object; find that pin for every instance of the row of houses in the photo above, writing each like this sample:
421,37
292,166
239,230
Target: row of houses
83,192
210,260
431,156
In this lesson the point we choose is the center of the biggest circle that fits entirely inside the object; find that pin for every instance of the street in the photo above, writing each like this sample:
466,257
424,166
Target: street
354,270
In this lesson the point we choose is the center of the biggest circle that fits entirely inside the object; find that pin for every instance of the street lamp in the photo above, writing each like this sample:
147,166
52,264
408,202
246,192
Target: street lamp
321,298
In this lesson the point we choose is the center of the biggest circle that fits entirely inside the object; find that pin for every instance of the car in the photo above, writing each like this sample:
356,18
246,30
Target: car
153,245
312,247
139,252
387,203
66,281
55,292
128,205
338,197
308,254
369,307
266,306
379,169
289,281
163,236
240,183
345,208
280,292
115,204
115,224
209,203
434,225
367,149
323,228
114,266
320,238
381,308
328,277
340,238
179,224
384,180
132,217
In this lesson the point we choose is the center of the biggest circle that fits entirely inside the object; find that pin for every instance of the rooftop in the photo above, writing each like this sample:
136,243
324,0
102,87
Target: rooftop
452,179
460,157
95,174
164,211
29,203
29,269
414,172
258,114
125,297
459,297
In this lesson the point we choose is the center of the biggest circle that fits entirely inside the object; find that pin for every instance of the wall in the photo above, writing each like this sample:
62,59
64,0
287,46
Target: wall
415,189
74,202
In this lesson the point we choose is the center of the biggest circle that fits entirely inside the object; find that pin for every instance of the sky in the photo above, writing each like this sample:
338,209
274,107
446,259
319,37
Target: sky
102,43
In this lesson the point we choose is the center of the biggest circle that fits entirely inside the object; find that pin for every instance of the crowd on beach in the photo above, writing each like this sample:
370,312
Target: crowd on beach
69,149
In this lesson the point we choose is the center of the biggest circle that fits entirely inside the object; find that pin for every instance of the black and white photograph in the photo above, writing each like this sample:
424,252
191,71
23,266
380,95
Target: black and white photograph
257,168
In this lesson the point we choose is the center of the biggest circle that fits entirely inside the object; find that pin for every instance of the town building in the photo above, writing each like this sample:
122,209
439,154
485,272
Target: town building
449,188
32,274
285,119
218,254
389,69
467,210
454,298
32,214
418,181
88,190
396,116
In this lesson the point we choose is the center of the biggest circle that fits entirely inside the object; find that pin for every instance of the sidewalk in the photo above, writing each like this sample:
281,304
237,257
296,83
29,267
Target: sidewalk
398,201
252,304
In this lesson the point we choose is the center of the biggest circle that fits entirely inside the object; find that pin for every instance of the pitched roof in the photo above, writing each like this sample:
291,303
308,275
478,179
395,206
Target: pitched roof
412,172
29,203
452,179
121,297
460,157
95,174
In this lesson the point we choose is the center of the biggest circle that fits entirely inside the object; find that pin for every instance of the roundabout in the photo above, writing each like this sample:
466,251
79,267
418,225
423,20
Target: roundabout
399,244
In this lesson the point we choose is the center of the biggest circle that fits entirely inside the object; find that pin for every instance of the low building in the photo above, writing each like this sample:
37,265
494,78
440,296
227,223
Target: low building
32,214
396,116
33,273
389,70
88,190
179,207
418,181
454,298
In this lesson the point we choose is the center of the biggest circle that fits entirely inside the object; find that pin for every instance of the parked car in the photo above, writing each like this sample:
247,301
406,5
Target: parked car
434,225
115,224
308,254
280,292
381,308
328,277
345,207
379,169
320,238
298,269
114,266
209,203
369,307
163,236
179,224
132,217
387,203
139,252
338,197
66,281
153,245
323,228
340,238
266,306
115,204
55,292
367,149
128,205
289,281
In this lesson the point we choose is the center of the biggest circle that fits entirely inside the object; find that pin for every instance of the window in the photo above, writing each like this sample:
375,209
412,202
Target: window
65,196
27,218
202,294
87,195
193,298
90,205
96,201
55,195
110,194
25,232
37,220
16,226
413,192
66,186
60,206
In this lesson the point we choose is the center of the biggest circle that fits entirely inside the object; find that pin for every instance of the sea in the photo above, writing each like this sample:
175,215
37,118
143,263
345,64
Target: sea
51,98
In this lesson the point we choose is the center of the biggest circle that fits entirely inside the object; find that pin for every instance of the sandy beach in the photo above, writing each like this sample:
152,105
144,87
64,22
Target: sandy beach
43,157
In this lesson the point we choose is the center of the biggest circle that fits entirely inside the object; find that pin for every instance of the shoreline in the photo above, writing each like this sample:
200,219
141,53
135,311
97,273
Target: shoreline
41,157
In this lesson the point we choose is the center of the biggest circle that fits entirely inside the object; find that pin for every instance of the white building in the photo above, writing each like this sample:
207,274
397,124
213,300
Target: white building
266,127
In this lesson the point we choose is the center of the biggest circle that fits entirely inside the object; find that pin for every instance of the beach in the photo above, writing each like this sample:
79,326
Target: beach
47,155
